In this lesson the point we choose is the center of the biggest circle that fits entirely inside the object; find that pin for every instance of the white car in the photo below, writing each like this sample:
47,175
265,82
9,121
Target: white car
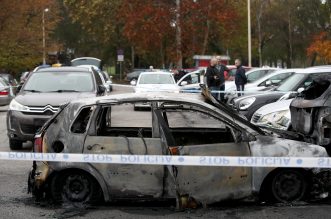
274,115
156,82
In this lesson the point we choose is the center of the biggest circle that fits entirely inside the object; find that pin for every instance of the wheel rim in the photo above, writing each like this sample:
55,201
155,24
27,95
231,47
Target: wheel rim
76,188
289,186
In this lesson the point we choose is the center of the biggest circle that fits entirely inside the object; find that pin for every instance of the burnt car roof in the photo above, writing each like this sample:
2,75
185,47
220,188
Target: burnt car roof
229,115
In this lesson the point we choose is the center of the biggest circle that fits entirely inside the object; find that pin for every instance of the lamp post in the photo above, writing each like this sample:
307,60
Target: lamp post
249,33
44,40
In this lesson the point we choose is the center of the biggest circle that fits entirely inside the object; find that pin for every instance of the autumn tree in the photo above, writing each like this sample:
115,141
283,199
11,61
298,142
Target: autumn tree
320,48
21,32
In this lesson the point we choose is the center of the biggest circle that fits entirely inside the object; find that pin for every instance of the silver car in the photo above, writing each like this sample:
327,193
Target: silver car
6,94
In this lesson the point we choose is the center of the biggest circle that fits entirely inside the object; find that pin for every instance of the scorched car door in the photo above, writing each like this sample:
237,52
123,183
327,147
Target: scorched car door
126,180
206,184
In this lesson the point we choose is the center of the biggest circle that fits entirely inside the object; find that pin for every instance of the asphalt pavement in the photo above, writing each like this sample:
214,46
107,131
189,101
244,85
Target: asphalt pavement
15,202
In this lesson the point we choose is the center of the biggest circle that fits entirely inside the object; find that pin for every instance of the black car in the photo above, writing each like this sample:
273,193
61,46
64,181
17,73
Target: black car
41,95
289,88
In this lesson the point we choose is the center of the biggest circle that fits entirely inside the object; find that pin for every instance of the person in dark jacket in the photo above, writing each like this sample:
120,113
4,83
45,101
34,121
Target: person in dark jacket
214,79
221,68
240,78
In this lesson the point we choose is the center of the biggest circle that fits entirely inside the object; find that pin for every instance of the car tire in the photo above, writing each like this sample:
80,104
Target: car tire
15,144
75,187
288,185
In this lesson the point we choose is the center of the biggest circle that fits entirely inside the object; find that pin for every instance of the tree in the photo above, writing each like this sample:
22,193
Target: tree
320,48
20,32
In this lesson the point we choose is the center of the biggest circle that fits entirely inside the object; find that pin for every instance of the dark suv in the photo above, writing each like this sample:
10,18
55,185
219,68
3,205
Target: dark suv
42,94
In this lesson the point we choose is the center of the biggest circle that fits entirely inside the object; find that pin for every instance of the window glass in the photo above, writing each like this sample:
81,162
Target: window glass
255,75
156,79
291,83
54,81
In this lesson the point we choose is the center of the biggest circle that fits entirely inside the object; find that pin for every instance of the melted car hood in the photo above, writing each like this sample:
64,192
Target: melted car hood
54,99
270,146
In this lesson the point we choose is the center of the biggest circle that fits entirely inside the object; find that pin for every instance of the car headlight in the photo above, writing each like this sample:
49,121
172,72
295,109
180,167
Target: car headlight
246,103
14,105
279,120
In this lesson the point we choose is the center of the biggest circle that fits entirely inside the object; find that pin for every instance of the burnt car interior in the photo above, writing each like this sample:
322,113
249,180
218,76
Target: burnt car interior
109,124
316,88
192,126
183,124
80,124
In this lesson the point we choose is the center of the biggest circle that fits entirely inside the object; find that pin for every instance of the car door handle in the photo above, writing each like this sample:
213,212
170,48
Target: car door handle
90,147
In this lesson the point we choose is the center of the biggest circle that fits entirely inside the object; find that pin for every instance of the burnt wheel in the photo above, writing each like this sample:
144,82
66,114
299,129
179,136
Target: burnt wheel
77,187
288,185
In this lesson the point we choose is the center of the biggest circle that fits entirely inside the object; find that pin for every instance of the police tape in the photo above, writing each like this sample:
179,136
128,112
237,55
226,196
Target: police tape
226,161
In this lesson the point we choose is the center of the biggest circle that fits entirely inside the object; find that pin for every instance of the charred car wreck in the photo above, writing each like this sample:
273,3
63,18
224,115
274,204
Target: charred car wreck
176,125
311,113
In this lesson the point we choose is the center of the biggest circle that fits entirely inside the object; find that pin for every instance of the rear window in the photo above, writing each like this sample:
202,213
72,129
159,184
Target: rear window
156,79
56,81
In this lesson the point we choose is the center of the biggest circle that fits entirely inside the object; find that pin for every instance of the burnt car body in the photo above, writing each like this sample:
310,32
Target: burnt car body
42,94
176,125
289,88
311,112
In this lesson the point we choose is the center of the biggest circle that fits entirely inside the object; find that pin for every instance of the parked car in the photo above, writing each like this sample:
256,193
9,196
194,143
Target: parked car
5,93
106,81
190,83
133,76
229,76
155,82
289,88
256,80
41,96
311,112
102,126
11,81
275,115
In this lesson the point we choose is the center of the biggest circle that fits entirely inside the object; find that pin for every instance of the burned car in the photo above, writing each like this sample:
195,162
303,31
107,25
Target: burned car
178,124
311,112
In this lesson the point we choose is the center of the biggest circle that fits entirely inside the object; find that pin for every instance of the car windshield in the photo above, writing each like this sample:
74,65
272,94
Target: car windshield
254,75
156,79
291,83
60,81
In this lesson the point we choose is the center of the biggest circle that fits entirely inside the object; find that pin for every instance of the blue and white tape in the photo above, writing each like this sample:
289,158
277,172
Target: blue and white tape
303,162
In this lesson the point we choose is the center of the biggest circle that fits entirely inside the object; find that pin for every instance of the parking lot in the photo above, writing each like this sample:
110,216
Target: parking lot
16,203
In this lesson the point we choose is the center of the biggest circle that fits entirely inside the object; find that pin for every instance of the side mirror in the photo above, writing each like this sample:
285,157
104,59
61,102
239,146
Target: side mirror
268,83
183,83
101,89
300,90
133,82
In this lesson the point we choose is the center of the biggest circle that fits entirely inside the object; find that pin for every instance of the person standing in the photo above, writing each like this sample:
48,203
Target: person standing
240,77
221,69
213,78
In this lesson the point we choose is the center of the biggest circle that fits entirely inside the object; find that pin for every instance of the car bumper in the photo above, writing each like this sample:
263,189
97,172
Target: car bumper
22,126
38,177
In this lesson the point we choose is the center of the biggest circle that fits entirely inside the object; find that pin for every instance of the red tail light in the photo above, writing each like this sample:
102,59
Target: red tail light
38,144
4,93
